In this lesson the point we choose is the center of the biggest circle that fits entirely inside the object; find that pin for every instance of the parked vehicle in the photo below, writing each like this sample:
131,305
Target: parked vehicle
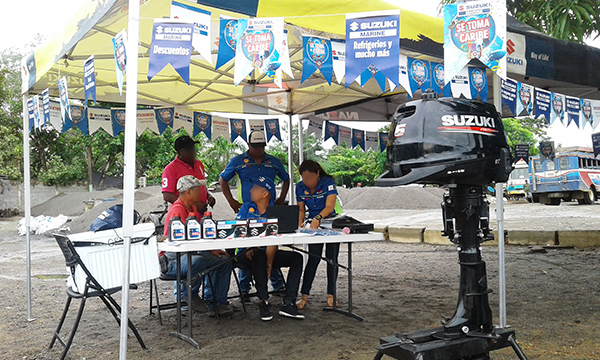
517,187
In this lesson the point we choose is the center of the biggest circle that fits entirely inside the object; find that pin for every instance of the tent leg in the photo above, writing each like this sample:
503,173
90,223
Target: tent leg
27,202
500,221
292,197
300,141
130,163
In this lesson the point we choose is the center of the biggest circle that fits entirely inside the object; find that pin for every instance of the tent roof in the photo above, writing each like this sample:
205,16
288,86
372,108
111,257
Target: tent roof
91,31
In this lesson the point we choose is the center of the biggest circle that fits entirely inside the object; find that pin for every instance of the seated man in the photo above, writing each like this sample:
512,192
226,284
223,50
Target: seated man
262,260
188,187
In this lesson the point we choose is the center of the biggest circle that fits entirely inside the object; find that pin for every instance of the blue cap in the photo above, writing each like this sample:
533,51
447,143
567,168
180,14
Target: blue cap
266,183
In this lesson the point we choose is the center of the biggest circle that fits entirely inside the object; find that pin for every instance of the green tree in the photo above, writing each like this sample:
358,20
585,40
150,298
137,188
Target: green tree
525,131
352,166
573,20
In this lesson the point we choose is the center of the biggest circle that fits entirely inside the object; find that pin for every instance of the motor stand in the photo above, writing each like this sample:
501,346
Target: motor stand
470,333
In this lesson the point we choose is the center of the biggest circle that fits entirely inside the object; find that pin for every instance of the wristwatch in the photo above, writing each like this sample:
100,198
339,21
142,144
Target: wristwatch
318,217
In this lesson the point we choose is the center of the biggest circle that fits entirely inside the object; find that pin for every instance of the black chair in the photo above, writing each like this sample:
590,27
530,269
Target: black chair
91,289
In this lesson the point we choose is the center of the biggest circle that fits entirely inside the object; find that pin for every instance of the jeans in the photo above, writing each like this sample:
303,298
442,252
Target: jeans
245,276
258,264
201,261
331,252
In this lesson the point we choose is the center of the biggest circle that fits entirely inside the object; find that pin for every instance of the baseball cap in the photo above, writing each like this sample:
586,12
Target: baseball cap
257,138
185,142
187,182
266,183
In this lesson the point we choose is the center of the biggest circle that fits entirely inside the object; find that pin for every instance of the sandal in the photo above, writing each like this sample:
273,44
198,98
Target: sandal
302,302
330,301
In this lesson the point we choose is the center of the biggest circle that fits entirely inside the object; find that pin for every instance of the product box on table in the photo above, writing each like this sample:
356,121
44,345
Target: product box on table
229,229
263,227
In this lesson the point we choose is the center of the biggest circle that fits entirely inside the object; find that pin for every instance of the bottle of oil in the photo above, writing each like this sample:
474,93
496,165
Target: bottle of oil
193,229
209,229
176,229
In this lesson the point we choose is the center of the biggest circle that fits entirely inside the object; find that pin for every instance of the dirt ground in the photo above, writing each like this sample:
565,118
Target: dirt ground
553,304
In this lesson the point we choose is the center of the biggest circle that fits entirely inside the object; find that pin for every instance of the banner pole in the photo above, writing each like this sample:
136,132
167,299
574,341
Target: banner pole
129,160
27,202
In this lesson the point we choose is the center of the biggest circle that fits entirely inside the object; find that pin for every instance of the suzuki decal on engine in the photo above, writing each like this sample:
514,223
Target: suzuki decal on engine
473,124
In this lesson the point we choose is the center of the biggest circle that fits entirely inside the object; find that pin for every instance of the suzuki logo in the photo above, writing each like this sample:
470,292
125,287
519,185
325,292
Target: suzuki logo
159,29
354,26
510,47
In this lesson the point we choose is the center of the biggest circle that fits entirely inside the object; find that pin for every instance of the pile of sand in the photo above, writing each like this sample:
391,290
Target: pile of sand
402,197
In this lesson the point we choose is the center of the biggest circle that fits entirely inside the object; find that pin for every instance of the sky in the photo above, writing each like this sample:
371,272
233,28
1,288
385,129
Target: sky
44,17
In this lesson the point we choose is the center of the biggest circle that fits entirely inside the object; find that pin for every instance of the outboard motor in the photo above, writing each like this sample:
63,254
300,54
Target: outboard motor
460,144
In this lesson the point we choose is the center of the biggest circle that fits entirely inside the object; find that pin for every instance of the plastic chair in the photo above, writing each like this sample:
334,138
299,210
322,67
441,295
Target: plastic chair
91,289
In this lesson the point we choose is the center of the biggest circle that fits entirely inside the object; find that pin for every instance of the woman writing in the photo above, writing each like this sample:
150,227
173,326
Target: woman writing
317,194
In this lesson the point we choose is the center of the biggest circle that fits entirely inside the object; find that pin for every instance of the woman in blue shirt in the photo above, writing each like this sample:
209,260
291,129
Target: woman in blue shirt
317,194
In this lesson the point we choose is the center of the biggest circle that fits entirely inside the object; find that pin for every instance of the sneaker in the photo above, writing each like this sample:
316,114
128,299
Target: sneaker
265,311
291,311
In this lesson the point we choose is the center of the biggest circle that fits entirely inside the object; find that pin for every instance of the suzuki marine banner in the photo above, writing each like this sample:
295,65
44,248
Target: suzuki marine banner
524,105
99,118
373,43
338,52
316,55
272,129
358,139
475,30
478,83
201,20
543,107
89,80
238,129
171,44
120,54
418,75
332,131
509,94
572,106
227,40
438,80
557,102
521,153
117,116
202,124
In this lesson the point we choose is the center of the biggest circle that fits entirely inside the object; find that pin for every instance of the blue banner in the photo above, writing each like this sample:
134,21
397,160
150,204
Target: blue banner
227,41
371,72
78,119
316,54
171,44
383,141
596,143
272,129
164,118
332,131
543,99
238,129
202,124
46,106
372,41
558,107
30,110
358,138
89,80
478,83
586,112
509,94
120,57
573,109
524,106
438,82
117,118
419,75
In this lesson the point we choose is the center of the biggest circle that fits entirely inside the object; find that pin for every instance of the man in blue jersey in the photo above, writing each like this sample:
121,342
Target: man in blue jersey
263,260
248,167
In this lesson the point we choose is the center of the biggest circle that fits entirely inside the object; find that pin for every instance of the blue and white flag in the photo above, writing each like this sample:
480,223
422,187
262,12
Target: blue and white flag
372,42
117,118
524,106
171,44
46,106
238,129
332,131
478,83
372,72
63,93
371,140
338,52
573,108
587,112
596,144
509,94
164,118
146,120
475,30
383,141
419,75
272,129
558,107
460,84
120,53
316,55
358,139
438,80
89,80
99,118
38,119
78,118
227,40
31,116
202,124
543,100
200,19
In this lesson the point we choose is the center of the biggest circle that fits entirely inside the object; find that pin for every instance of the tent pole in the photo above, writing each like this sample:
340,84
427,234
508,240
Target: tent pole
129,168
500,221
292,198
27,202
300,141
